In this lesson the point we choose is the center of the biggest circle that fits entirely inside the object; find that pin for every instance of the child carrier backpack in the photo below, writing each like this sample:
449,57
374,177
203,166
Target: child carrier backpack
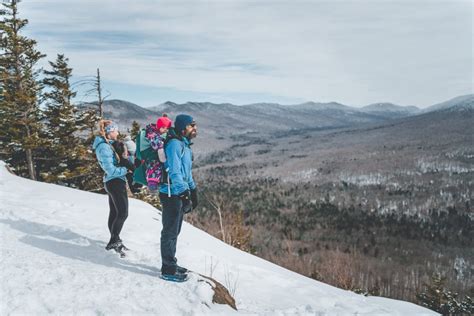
143,154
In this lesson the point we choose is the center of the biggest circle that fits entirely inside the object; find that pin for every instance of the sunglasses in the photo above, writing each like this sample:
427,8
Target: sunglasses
193,125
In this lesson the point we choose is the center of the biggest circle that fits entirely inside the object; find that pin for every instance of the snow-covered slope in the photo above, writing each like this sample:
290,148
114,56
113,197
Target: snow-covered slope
53,260
466,101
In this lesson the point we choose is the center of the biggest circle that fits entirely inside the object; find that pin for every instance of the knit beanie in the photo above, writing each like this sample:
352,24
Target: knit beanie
163,122
182,121
111,127
130,144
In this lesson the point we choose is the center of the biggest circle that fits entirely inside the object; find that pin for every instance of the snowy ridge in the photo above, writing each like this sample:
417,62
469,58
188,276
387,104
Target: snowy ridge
53,262
463,101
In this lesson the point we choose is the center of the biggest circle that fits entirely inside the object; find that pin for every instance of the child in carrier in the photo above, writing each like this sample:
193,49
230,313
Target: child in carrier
125,161
156,134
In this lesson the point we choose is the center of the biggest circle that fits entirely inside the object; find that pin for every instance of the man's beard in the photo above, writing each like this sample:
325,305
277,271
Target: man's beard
191,135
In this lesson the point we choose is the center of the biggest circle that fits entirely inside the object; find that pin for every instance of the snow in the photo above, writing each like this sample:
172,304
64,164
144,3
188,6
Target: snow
53,262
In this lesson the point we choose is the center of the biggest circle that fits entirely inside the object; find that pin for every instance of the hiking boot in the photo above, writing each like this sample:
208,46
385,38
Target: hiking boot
176,277
123,247
181,270
116,245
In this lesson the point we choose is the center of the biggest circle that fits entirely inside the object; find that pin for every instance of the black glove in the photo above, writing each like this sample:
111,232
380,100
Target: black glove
186,199
124,162
194,198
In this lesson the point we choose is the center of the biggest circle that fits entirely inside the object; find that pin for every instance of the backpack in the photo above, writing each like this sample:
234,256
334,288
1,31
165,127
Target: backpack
143,154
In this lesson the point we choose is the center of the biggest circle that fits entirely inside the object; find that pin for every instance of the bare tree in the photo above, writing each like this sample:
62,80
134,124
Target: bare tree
217,202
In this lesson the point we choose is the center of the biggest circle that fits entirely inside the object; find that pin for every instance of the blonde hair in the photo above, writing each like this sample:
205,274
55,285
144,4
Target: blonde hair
102,125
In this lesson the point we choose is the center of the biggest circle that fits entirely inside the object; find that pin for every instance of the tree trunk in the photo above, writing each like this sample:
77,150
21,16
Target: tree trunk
221,223
30,164
99,93
29,157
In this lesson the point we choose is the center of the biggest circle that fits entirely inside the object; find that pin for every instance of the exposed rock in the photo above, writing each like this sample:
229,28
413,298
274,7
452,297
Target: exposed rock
221,294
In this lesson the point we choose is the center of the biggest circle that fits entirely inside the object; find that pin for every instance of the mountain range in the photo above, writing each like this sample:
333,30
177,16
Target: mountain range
228,119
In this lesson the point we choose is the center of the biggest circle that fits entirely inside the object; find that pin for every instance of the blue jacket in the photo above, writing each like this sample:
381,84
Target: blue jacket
179,164
108,160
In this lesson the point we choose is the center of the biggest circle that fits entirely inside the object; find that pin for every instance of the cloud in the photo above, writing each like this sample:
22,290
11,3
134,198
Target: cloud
353,52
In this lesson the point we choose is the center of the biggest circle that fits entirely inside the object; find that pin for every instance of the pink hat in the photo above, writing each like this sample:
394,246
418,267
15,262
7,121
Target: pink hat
163,122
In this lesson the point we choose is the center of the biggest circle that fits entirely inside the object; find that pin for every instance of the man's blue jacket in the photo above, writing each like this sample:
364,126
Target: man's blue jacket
179,163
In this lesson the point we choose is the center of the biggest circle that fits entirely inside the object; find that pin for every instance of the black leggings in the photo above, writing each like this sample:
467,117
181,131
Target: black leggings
118,203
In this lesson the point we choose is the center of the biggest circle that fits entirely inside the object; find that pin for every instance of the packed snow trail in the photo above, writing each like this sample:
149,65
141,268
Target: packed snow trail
53,260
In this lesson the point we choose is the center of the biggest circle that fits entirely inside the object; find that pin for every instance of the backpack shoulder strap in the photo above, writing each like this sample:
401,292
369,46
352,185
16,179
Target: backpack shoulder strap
138,142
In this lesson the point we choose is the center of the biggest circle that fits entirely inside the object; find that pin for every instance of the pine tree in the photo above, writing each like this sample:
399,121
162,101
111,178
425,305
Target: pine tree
66,150
440,299
134,130
92,180
61,114
20,115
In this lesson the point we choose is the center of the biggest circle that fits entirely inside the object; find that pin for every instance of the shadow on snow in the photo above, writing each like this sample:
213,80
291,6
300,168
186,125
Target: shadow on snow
69,244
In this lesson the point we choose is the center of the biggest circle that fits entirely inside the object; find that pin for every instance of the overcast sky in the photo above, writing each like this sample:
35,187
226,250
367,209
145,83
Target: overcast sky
415,52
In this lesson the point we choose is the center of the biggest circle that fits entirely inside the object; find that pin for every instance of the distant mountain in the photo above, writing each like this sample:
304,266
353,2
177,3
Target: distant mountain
390,110
119,109
461,101
269,117
324,106
124,112
389,107
228,119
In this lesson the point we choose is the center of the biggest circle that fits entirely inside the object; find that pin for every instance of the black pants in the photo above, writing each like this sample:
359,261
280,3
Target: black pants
172,219
118,203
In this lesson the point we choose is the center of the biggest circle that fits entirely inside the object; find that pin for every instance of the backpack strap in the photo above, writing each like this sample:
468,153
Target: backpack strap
138,142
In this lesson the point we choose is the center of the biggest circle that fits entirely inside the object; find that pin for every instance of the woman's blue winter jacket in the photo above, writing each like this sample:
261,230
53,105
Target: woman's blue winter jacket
108,160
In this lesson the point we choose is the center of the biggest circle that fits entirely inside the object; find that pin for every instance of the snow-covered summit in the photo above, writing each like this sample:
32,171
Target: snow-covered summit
389,107
53,262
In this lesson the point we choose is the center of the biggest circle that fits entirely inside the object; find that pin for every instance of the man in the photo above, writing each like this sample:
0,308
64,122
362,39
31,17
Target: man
178,195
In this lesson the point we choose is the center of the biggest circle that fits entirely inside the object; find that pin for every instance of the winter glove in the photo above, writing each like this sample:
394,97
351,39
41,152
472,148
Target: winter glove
186,199
124,162
194,198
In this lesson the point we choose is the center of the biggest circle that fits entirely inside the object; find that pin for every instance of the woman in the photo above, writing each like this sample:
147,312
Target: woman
115,182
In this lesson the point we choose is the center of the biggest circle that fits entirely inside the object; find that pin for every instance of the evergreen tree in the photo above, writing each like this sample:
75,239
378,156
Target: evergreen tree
20,115
440,299
134,130
61,114
90,118
66,150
